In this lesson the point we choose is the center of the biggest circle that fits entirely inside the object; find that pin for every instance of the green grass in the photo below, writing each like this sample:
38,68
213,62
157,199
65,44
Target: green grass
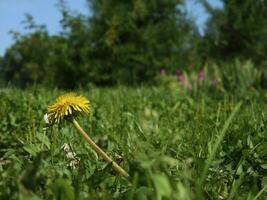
174,146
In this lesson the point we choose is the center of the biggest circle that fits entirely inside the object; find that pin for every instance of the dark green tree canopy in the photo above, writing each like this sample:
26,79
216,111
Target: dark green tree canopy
138,37
123,42
237,30
128,42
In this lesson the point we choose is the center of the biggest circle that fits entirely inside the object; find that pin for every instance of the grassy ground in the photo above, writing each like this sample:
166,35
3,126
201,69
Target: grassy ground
174,146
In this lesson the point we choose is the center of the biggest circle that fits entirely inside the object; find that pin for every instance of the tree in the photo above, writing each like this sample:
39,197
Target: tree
121,41
38,58
133,39
23,62
239,30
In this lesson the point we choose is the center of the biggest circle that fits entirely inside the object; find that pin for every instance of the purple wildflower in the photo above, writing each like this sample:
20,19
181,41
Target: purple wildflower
190,87
162,71
201,75
214,82
180,76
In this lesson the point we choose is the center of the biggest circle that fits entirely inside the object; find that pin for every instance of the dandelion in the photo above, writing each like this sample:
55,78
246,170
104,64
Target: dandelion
70,106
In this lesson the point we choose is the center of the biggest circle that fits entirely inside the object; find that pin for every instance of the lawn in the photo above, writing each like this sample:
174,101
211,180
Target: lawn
174,144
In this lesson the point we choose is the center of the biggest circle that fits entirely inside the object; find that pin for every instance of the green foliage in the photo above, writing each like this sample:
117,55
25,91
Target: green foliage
227,77
26,63
240,76
237,31
62,190
134,39
175,145
122,42
38,58
168,82
128,42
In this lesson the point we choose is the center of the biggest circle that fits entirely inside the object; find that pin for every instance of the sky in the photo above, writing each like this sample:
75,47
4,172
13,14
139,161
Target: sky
12,13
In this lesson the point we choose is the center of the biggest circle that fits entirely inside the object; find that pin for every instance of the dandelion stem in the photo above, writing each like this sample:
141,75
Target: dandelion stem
99,151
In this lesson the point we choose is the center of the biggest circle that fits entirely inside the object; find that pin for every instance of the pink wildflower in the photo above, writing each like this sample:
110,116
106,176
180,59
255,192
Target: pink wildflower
190,87
201,75
162,71
180,76
214,82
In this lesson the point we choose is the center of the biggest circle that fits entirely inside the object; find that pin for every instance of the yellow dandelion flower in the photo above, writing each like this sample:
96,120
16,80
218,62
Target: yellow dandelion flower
68,106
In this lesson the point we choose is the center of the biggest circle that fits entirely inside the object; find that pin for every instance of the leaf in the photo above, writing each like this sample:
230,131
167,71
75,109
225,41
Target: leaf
44,140
162,186
12,120
249,142
33,197
182,192
239,170
142,193
62,190
32,149
264,166
264,182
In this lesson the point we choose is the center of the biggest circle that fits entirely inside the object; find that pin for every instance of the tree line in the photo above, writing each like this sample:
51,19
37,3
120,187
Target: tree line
130,41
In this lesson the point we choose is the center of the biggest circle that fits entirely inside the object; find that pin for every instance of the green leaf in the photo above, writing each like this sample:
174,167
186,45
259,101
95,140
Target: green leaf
33,197
264,182
62,190
143,193
162,186
44,139
32,149
264,166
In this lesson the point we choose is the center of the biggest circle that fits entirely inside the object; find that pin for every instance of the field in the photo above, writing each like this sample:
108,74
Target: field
174,145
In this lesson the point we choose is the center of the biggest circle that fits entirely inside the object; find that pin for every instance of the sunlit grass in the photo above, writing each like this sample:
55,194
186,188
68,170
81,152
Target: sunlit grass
175,146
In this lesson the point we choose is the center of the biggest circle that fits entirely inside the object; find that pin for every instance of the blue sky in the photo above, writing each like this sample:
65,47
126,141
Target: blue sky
12,13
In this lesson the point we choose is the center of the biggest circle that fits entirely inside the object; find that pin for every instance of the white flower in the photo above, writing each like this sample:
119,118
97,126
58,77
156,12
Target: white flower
70,155
66,147
46,119
47,122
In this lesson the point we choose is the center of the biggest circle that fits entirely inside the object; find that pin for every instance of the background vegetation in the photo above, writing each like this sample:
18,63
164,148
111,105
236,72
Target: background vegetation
174,146
129,42
186,118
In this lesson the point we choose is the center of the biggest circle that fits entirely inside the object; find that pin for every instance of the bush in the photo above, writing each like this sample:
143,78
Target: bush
240,76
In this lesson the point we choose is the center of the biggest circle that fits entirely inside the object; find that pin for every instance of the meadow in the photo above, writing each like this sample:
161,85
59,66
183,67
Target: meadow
174,144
